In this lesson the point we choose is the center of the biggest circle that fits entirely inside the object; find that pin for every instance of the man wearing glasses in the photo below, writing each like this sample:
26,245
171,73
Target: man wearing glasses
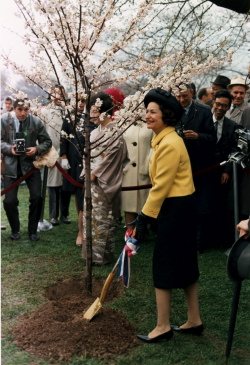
225,145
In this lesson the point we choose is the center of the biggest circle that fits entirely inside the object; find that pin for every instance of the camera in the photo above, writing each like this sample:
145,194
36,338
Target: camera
242,157
179,130
20,143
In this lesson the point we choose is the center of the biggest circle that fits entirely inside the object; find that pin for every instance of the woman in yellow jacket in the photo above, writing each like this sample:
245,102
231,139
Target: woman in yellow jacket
171,202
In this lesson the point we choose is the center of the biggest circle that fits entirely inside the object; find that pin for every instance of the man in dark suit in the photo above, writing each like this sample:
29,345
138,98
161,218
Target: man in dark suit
71,152
225,130
225,145
196,127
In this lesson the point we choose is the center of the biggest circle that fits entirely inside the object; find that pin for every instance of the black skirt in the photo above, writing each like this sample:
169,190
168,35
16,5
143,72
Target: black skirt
175,263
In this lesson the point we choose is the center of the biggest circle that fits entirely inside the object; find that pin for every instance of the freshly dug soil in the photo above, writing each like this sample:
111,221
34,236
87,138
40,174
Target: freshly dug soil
57,330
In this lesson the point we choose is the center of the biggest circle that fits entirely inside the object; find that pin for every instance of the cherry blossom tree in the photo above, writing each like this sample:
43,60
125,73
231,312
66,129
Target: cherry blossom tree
78,43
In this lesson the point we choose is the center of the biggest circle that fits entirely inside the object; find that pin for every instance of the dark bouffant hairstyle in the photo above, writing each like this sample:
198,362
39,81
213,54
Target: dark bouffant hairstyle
170,107
224,94
107,102
168,117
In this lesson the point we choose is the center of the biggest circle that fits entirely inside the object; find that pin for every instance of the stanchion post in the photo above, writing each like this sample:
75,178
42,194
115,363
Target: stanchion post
236,198
44,225
45,177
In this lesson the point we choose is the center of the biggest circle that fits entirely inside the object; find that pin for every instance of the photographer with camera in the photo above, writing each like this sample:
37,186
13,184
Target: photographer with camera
19,136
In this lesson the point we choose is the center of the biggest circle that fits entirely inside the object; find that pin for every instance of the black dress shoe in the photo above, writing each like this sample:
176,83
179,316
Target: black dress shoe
15,236
65,220
54,222
196,330
163,336
34,237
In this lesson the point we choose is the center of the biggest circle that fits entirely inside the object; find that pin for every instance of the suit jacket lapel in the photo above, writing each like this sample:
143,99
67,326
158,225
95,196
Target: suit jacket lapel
189,116
224,127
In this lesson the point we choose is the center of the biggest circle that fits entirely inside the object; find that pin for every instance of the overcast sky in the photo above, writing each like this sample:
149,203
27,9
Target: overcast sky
9,40
12,44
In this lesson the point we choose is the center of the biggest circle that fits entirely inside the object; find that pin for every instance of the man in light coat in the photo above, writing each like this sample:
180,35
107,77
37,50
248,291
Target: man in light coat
238,89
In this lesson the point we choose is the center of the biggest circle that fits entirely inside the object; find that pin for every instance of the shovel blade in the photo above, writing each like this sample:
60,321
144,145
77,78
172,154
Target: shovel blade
93,310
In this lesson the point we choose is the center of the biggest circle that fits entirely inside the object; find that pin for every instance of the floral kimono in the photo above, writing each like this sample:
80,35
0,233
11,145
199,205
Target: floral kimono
105,191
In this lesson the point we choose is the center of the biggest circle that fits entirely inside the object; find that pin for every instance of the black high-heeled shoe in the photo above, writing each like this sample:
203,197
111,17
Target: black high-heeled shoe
163,336
196,330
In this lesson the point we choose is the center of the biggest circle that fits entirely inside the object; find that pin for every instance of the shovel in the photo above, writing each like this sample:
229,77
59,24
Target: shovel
129,250
96,306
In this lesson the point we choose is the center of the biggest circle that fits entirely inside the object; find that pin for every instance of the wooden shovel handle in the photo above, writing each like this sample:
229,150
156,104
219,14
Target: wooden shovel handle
107,284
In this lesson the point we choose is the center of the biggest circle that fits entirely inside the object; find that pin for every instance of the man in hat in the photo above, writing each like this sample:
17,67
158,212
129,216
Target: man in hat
219,83
238,89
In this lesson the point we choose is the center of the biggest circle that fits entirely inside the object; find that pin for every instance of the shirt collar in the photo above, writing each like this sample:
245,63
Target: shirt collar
188,107
220,121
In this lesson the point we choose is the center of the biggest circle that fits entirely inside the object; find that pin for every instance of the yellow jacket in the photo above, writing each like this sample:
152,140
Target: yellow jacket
170,171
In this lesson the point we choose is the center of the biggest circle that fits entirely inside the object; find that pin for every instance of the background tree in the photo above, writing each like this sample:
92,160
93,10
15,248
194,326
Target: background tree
88,45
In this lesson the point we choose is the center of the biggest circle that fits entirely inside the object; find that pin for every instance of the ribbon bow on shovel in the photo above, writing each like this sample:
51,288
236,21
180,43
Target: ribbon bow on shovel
130,249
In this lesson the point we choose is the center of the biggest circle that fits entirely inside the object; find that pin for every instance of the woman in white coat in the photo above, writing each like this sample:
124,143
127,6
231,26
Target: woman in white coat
138,139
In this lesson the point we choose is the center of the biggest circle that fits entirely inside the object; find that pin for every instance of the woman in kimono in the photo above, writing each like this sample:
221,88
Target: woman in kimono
108,153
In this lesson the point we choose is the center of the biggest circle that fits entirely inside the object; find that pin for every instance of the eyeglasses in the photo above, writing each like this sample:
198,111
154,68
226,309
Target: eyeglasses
219,105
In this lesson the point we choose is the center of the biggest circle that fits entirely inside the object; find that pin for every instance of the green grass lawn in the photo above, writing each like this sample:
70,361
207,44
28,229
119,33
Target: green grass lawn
28,267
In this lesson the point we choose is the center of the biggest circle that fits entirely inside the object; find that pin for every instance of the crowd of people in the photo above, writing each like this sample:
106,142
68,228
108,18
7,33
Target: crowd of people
207,127
179,150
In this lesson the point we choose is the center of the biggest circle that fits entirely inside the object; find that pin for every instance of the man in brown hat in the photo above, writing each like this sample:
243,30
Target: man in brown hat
238,89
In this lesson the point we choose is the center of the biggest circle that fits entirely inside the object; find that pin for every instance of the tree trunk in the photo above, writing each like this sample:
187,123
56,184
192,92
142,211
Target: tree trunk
88,208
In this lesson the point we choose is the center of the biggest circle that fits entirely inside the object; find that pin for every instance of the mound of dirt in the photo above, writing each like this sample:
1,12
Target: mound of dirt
57,330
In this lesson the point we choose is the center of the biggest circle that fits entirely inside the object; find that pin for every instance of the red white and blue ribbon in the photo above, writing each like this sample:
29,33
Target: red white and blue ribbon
130,249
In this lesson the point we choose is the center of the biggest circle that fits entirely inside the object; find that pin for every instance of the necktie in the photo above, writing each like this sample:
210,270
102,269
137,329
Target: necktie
233,108
20,126
216,127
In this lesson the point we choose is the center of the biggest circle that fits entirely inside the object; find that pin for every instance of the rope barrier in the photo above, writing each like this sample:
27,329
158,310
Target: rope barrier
68,177
19,181
124,188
